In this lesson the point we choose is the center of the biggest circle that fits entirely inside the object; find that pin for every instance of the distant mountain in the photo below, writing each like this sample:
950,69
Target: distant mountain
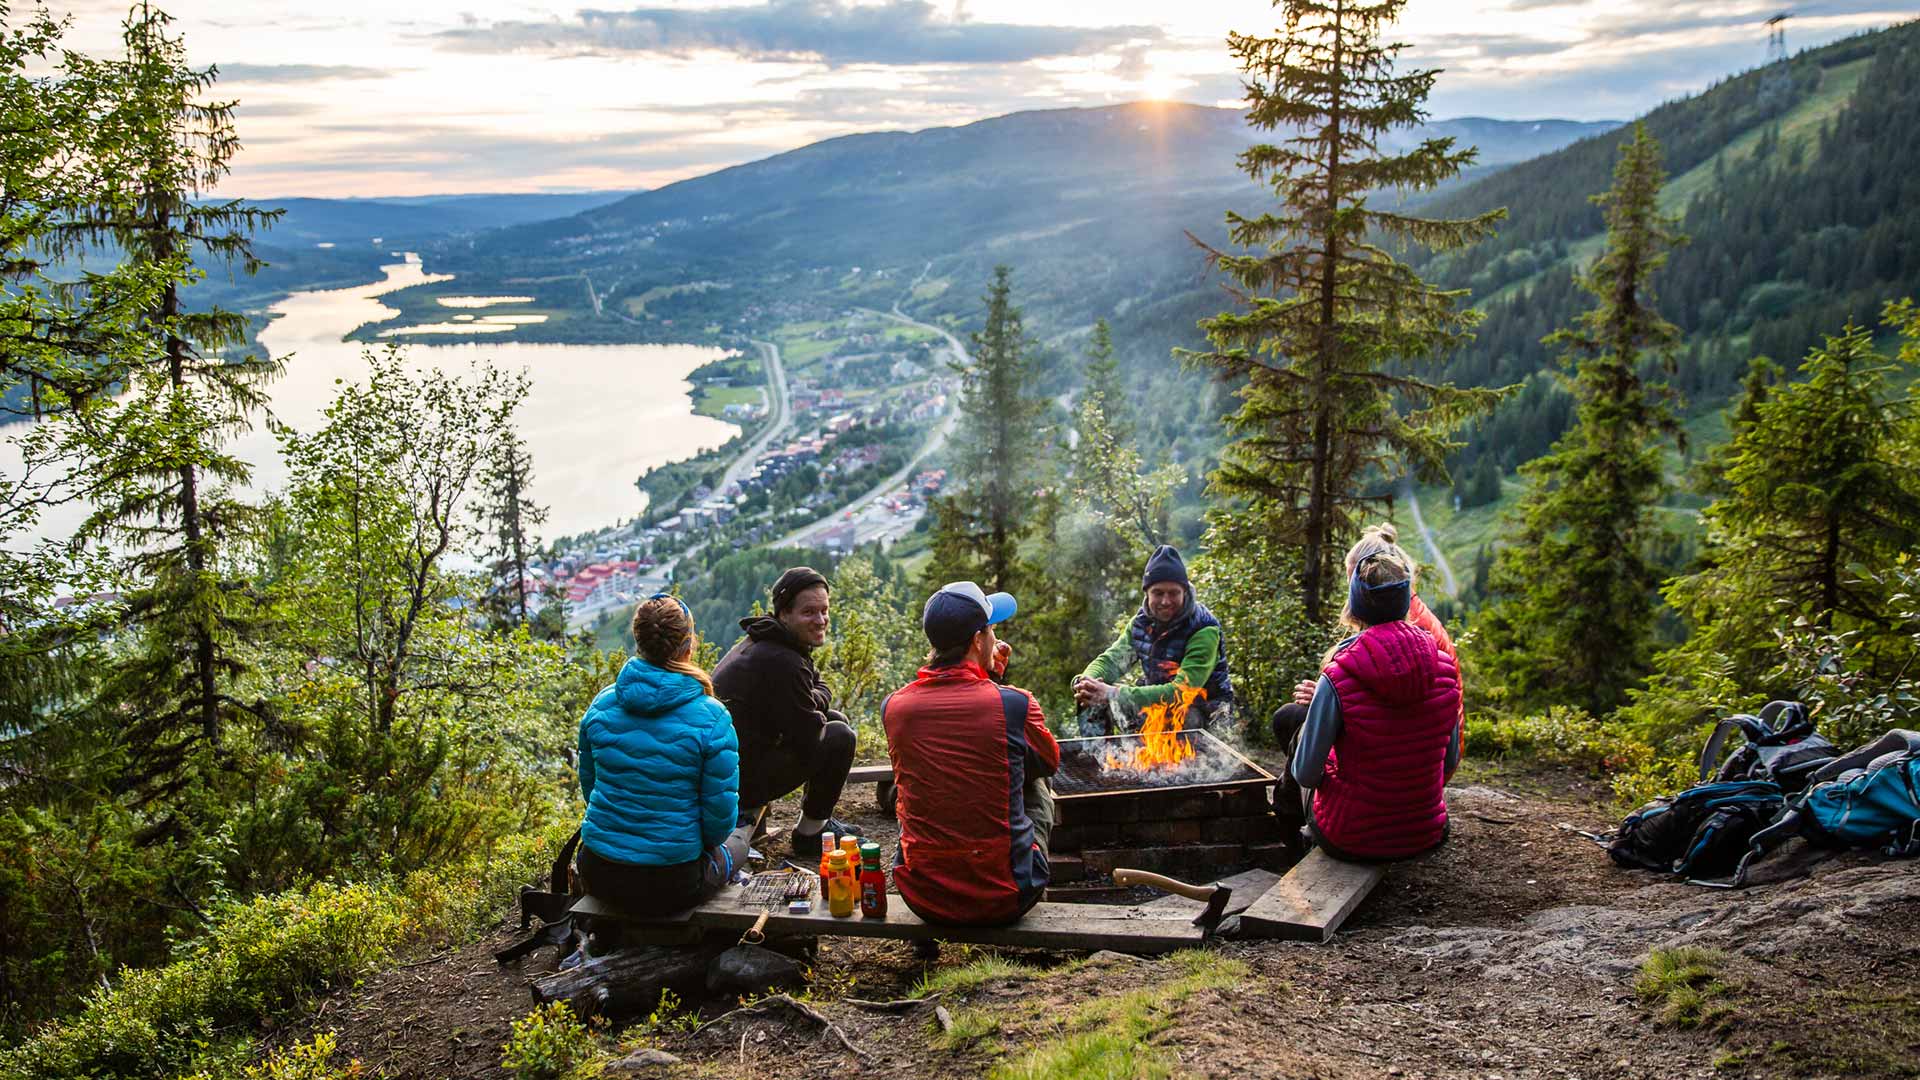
1091,205
309,221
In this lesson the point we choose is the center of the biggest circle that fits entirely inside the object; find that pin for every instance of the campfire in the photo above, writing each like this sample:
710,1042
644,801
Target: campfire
1162,745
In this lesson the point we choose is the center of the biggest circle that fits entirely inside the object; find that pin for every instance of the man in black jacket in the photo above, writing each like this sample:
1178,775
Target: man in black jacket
789,734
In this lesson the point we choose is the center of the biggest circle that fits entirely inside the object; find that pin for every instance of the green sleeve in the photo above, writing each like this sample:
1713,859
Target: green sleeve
1196,666
1109,666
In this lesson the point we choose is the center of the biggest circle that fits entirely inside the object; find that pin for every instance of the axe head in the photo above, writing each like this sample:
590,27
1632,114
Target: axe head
1209,918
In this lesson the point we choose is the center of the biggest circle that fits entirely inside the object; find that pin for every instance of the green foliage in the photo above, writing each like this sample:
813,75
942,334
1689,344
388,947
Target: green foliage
263,956
1682,983
1332,325
311,1060
1270,640
996,453
1112,1036
1819,493
875,646
550,1043
1561,735
1575,586
965,977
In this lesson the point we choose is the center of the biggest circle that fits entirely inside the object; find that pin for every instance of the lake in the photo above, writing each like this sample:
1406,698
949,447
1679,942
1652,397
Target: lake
595,416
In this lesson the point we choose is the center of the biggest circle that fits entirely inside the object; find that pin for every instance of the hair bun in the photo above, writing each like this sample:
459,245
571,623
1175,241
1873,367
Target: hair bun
1387,532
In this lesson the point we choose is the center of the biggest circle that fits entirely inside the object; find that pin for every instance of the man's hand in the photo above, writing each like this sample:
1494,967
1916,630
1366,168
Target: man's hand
1090,692
1002,656
1303,691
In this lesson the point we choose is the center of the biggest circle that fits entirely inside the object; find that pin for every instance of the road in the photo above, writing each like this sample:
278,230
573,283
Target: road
1433,546
777,391
870,520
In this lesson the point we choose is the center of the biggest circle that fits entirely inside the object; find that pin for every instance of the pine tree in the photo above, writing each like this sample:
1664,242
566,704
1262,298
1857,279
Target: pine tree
1576,584
513,517
1332,326
977,530
1104,383
161,463
1817,483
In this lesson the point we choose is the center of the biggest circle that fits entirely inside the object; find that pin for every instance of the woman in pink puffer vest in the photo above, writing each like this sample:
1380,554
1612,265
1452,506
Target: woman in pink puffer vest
1381,736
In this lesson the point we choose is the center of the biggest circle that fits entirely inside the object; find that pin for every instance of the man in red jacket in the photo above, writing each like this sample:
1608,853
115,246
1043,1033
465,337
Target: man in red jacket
970,760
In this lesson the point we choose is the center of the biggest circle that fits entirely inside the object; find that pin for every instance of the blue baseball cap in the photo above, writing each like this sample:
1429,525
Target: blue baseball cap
962,609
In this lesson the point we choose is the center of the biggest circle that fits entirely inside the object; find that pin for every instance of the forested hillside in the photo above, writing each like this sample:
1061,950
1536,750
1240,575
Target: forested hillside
1799,191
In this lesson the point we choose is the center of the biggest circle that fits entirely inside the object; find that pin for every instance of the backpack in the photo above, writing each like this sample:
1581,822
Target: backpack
1868,797
1781,746
1703,831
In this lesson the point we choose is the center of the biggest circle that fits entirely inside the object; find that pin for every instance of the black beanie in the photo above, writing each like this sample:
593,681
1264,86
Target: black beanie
793,583
1165,565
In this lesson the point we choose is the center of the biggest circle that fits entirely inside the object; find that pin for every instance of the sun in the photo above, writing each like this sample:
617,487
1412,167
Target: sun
1161,86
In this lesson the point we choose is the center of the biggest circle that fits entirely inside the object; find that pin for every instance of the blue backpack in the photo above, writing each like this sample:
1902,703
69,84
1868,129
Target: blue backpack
1701,832
1866,798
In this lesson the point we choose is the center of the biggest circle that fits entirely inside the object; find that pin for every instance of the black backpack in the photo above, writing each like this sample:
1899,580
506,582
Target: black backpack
1781,746
1701,832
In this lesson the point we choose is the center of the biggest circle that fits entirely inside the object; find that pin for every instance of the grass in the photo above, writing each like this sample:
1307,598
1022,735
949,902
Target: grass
713,401
969,1026
1110,1037
1683,984
968,976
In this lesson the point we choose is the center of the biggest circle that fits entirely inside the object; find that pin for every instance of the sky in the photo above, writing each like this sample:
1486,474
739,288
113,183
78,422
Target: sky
376,97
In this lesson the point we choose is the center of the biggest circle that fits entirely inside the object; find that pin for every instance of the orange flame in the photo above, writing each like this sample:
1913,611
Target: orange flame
1161,746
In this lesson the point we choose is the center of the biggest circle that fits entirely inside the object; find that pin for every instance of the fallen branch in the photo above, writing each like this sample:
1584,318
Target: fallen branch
901,1005
785,1002
943,1018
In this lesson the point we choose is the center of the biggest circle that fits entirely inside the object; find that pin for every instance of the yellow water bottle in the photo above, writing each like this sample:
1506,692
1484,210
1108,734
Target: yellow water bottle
840,887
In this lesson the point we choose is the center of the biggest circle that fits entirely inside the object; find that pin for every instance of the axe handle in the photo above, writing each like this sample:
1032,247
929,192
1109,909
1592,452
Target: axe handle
1202,893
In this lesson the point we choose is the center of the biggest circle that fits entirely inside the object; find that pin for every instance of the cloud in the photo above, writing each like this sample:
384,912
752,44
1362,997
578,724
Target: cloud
834,32
296,73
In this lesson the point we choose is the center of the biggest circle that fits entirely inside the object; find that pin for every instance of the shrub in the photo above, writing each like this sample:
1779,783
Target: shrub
1682,982
550,1043
260,958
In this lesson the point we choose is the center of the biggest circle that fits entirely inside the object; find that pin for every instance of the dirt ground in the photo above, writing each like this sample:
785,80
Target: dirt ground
1512,952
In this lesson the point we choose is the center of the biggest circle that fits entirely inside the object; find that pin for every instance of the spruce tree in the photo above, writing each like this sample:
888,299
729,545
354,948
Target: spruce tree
161,466
1331,328
512,517
1576,584
1104,383
977,530
1817,484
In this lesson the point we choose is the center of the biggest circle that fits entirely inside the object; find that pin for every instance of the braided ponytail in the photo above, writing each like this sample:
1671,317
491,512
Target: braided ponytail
663,635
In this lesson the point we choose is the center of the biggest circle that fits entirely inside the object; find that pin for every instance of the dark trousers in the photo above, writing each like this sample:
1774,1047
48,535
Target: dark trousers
663,890
1289,801
820,766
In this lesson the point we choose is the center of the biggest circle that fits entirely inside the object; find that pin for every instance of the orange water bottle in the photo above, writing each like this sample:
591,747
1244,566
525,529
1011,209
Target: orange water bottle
827,848
839,886
873,883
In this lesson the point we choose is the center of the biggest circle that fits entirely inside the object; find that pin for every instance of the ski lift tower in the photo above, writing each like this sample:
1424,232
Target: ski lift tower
1778,81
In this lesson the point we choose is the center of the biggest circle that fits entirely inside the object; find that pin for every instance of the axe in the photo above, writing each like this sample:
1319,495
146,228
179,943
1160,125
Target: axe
1215,896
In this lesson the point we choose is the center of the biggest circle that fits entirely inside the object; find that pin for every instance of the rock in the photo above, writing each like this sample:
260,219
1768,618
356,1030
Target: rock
643,1060
1108,956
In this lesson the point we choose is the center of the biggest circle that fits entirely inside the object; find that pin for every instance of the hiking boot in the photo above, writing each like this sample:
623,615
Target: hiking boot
807,845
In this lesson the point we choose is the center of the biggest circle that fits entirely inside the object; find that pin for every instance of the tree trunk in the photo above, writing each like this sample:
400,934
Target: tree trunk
1317,494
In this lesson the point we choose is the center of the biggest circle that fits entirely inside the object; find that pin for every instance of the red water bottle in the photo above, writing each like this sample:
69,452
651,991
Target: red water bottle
873,883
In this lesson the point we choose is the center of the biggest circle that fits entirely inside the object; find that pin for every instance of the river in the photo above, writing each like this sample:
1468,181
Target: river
595,416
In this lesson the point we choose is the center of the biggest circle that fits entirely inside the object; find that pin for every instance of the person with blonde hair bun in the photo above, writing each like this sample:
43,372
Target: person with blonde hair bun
660,773
1371,751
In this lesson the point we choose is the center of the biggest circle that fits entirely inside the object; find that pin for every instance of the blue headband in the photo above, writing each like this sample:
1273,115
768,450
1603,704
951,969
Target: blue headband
1386,602
669,596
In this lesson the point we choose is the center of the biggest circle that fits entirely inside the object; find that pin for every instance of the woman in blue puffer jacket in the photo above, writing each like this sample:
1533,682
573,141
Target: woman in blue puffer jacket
660,771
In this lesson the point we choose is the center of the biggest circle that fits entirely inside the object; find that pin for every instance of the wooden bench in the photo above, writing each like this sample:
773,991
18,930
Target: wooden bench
1141,928
1313,900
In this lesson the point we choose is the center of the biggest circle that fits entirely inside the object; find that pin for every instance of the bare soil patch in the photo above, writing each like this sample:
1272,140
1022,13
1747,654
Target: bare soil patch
1512,952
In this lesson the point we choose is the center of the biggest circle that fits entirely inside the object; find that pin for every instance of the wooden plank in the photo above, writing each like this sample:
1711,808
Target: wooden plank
1047,926
1247,888
1315,897
869,774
